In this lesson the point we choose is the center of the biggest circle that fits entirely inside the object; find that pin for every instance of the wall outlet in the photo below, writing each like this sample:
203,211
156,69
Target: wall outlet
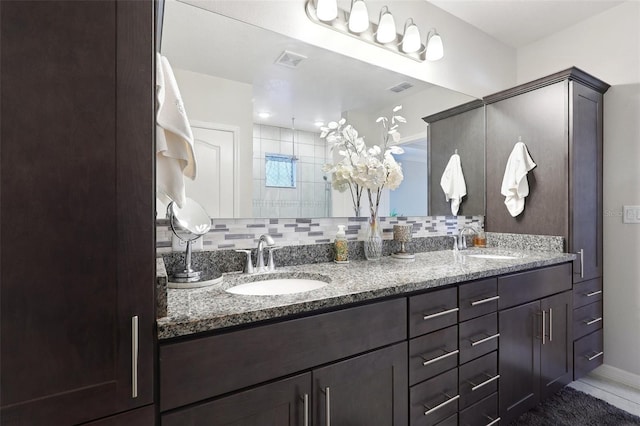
178,245
631,214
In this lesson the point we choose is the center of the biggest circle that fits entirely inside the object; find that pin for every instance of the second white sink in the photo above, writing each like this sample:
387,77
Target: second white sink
277,286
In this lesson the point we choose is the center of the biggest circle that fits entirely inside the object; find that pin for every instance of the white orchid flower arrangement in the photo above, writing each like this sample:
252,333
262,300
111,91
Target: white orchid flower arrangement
372,168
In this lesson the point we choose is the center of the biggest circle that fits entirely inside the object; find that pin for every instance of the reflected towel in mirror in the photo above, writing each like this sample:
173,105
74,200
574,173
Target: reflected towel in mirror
175,156
515,186
453,184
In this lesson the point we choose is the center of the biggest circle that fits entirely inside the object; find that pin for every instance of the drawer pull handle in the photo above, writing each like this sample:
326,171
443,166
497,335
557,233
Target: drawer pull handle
581,253
441,313
591,358
486,382
439,358
439,406
486,339
550,324
487,300
134,356
593,293
593,321
544,327
327,407
305,398
493,421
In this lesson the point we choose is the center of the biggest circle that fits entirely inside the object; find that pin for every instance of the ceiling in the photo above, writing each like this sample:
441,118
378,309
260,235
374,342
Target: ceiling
517,23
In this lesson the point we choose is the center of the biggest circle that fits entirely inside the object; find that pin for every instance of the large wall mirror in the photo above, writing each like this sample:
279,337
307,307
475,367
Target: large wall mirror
254,98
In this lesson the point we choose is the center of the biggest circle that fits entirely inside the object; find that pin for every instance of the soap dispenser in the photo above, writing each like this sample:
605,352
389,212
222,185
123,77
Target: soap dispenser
341,246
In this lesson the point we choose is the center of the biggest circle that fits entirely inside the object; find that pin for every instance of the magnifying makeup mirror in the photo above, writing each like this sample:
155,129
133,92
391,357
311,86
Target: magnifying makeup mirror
189,223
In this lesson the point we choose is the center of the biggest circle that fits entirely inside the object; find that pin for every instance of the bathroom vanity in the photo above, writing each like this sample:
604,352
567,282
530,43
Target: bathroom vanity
441,339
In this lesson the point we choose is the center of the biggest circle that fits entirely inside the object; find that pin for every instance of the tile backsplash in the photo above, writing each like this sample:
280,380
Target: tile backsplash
244,233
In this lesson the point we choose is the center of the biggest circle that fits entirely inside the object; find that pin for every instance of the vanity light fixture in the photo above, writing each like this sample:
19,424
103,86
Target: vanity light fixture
386,27
435,49
327,10
355,23
358,17
411,39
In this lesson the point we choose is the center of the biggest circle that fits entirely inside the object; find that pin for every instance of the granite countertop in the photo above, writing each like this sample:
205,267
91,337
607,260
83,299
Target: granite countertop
210,308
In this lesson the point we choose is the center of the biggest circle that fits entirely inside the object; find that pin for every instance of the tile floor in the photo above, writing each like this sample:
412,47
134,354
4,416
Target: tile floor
619,395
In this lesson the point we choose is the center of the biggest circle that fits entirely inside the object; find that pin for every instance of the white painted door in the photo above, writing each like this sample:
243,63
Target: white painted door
214,186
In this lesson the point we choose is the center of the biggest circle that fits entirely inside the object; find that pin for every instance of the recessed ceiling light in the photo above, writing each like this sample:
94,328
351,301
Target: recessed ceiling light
264,115
319,123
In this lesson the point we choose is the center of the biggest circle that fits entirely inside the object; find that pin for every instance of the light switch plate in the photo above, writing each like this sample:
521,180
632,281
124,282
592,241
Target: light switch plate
178,245
631,214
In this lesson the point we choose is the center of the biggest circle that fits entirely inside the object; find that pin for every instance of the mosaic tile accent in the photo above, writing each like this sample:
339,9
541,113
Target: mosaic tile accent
244,233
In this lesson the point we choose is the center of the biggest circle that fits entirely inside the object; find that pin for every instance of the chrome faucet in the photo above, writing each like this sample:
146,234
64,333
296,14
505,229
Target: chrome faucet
264,239
462,242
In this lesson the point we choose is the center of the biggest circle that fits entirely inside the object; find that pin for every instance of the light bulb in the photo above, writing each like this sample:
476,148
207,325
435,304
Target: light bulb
435,49
386,28
327,10
358,17
411,39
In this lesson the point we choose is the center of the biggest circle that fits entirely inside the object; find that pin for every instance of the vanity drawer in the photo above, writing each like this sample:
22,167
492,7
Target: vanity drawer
478,298
523,287
205,367
434,400
587,353
587,319
478,379
449,421
587,292
433,353
432,311
484,413
478,336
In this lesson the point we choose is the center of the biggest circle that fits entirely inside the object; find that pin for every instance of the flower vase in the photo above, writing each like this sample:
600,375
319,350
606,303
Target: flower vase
373,240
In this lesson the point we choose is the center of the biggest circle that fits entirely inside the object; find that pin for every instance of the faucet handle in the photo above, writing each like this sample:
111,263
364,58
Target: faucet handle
455,242
248,264
271,265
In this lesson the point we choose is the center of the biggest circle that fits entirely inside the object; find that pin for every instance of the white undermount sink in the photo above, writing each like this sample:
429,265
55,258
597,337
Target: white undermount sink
492,256
277,286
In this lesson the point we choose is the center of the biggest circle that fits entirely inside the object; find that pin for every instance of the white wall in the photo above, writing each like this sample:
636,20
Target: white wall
474,62
608,46
220,101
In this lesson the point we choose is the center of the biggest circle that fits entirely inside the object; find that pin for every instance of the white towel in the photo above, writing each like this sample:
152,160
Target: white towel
515,186
175,156
453,184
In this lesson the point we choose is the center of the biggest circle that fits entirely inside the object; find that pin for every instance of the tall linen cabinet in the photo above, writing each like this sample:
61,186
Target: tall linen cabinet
77,263
559,118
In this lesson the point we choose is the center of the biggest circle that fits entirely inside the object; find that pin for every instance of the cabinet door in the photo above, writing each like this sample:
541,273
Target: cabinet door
585,207
370,389
556,356
77,230
282,403
519,359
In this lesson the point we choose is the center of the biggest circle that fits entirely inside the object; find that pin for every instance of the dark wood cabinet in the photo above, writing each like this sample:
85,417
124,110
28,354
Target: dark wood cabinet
461,130
536,356
556,360
282,403
370,389
559,118
77,230
519,361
